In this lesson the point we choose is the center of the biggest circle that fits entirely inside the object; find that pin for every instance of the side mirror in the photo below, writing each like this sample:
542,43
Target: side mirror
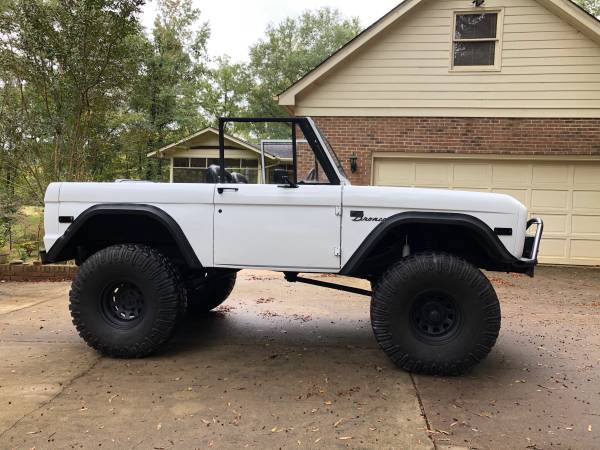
288,183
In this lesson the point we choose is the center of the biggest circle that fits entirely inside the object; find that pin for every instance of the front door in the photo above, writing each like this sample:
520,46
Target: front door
268,226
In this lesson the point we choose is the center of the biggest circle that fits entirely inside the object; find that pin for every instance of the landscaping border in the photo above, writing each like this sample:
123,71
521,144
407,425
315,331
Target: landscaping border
37,272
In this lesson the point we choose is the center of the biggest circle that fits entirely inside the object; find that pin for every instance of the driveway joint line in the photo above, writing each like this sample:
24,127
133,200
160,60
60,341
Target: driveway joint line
30,305
429,430
50,400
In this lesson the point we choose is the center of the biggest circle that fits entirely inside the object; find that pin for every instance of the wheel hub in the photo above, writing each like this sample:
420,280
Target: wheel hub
123,302
434,315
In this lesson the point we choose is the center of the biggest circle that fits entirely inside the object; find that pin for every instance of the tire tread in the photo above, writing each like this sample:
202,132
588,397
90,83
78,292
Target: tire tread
397,275
169,285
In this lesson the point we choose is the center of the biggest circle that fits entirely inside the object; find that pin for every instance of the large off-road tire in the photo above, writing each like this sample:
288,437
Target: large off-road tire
435,314
125,300
212,292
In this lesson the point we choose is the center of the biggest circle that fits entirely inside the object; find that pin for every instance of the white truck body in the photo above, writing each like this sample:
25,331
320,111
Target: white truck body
257,222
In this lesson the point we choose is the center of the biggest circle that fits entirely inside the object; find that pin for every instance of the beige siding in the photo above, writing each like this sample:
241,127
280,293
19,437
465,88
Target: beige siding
549,69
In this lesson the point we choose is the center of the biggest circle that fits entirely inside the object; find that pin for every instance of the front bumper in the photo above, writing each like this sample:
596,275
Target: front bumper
532,243
526,264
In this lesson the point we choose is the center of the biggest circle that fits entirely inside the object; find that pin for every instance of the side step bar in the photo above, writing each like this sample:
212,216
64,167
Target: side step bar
293,277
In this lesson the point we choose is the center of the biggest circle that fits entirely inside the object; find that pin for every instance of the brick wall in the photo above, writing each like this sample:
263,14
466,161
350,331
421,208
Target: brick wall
30,272
362,136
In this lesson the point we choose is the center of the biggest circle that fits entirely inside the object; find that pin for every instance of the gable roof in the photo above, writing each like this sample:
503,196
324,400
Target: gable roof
209,130
280,148
569,11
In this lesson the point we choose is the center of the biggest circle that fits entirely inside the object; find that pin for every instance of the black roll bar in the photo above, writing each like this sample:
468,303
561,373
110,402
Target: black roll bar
309,133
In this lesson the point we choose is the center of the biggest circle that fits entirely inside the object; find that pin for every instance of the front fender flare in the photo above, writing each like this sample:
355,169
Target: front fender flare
501,259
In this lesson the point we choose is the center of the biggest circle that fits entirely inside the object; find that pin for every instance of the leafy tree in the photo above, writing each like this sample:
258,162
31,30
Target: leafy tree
591,6
293,48
165,102
63,64
225,91
227,88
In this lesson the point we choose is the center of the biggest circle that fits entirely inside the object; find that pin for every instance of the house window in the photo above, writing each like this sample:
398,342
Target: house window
181,162
476,40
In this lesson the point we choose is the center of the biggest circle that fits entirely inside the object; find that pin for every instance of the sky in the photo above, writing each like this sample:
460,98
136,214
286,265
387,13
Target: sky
237,24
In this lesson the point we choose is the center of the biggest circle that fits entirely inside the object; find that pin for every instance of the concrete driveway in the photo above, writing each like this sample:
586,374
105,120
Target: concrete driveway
294,366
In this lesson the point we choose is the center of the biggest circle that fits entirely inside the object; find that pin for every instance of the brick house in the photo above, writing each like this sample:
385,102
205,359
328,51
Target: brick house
502,97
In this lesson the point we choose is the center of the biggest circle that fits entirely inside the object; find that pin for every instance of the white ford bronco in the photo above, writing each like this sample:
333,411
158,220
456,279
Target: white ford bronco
148,252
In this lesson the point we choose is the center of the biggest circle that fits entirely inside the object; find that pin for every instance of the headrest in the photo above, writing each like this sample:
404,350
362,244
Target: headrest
212,175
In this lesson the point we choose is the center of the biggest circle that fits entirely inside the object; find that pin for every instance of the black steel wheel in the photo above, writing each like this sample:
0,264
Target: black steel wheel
435,314
125,300
122,304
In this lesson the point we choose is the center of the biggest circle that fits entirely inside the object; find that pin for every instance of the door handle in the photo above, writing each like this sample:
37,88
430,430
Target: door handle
223,189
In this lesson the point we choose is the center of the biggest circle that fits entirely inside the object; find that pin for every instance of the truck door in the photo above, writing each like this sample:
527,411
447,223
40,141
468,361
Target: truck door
278,227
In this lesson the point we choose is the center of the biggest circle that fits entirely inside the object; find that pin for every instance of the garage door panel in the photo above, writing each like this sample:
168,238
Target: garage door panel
586,200
585,176
553,223
466,189
549,199
550,174
519,194
565,194
586,224
553,248
432,174
585,249
511,174
394,173
471,175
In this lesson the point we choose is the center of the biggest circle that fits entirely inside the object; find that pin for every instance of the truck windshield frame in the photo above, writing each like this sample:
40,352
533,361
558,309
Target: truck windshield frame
314,138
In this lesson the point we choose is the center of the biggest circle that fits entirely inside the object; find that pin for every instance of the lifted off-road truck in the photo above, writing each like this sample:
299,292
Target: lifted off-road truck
148,252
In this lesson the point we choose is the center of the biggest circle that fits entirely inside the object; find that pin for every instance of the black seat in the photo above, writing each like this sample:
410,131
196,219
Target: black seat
279,176
212,175
239,178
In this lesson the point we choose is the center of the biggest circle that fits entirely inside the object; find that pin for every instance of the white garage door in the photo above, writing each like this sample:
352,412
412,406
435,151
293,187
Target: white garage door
566,194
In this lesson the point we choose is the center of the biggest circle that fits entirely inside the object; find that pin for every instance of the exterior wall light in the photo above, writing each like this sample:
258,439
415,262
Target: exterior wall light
353,163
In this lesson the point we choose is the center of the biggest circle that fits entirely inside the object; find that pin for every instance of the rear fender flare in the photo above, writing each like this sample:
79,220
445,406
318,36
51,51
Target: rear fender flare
57,251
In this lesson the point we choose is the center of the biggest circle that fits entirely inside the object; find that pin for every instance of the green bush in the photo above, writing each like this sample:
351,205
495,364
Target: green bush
30,248
3,239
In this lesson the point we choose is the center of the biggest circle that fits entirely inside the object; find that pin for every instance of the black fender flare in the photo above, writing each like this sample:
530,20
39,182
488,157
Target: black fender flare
55,254
500,257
